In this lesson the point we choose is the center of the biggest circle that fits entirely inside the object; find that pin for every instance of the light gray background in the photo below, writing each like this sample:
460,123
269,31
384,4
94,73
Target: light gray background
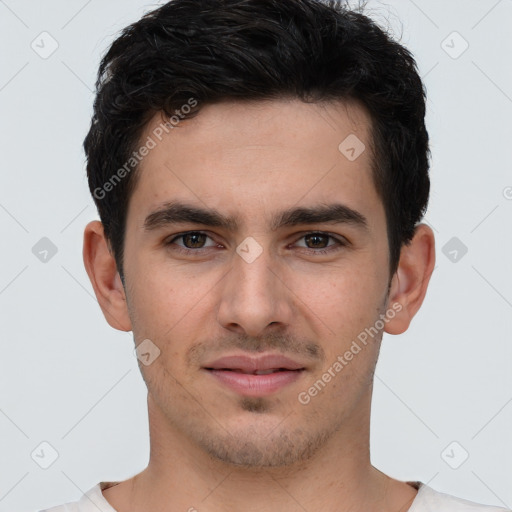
68,379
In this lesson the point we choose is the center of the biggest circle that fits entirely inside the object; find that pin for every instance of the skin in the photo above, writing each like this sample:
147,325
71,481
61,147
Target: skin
211,446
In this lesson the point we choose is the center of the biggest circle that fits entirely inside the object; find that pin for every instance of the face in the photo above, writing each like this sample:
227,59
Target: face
287,257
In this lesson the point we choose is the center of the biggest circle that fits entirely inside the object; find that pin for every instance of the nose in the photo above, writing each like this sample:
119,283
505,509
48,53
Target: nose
254,297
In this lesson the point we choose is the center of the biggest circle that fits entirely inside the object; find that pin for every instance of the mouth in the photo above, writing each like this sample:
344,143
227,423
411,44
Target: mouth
255,372
251,376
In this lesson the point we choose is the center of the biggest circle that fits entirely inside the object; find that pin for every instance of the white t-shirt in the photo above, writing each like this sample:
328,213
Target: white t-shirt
427,500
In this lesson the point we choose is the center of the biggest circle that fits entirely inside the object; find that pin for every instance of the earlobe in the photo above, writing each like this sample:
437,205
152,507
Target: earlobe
410,282
102,271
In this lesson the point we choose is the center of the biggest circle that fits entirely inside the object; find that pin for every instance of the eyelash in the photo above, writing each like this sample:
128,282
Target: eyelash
337,246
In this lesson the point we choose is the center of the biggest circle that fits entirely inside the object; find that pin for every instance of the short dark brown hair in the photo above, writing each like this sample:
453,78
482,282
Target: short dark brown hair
215,50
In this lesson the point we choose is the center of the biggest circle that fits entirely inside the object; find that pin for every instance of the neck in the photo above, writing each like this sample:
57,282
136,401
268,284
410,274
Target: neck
338,476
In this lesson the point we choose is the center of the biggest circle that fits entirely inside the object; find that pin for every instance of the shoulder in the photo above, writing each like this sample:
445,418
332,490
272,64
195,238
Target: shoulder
91,501
68,507
430,500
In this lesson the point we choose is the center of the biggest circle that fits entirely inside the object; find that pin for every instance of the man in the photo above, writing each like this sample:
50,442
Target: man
260,169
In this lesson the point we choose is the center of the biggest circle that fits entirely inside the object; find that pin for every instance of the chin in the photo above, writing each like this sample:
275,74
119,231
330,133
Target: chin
265,447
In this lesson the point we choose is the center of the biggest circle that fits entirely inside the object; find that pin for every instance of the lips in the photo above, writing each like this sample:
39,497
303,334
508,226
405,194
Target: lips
255,376
263,365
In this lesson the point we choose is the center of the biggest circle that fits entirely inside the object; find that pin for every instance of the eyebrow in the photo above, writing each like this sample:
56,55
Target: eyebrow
176,212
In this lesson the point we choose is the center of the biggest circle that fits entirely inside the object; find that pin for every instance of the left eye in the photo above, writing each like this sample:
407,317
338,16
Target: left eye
318,240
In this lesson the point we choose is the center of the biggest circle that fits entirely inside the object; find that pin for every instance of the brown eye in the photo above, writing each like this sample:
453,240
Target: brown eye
318,243
194,240
317,240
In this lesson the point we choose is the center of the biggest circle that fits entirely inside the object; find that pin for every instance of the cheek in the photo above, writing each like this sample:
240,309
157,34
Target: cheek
343,298
156,304
172,309
163,290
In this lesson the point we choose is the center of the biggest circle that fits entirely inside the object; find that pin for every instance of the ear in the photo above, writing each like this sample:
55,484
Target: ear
101,268
410,282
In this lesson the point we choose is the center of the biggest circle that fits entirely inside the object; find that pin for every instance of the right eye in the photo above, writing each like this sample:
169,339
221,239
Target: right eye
192,241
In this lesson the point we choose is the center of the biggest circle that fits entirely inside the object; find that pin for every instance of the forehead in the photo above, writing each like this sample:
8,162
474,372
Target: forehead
250,156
